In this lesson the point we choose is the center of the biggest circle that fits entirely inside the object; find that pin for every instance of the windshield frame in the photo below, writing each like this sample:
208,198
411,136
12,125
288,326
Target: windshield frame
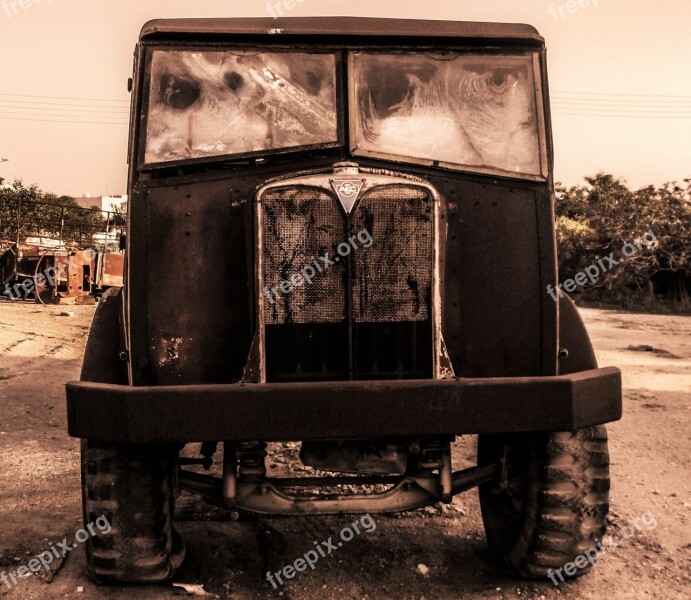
538,92
145,91
346,105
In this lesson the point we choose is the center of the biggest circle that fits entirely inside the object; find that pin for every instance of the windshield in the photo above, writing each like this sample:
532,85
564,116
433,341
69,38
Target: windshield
475,112
204,104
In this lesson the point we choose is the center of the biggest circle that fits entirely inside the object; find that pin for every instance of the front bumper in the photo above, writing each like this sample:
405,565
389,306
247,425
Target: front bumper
341,410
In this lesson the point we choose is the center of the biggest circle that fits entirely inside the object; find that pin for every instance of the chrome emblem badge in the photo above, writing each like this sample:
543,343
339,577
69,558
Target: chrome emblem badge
348,191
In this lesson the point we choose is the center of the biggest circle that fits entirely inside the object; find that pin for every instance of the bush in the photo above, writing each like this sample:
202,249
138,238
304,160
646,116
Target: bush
605,215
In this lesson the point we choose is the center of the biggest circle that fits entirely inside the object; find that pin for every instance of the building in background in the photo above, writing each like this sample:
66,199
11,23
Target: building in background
104,203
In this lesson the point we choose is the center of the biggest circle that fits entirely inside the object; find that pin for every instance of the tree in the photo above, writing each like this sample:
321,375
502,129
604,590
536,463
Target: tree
604,216
119,215
31,212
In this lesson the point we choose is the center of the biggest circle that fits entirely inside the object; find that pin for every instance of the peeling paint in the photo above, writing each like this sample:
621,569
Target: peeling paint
445,365
169,351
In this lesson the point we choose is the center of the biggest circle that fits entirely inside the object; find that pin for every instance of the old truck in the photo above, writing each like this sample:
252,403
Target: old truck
341,233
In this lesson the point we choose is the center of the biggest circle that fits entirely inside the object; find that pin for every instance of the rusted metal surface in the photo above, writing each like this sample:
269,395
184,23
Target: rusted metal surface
372,296
267,498
80,271
342,410
112,271
495,308
492,325
189,244
276,496
102,361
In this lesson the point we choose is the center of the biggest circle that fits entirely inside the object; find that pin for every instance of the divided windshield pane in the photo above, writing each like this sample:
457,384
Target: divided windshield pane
217,103
472,111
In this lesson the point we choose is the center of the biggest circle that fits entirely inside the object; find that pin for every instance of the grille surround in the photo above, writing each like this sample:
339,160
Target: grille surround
380,288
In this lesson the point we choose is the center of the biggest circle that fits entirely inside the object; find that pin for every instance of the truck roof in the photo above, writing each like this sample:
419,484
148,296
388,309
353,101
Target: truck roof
360,27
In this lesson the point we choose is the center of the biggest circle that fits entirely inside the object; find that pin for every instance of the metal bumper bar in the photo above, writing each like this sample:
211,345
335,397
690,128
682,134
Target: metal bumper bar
341,410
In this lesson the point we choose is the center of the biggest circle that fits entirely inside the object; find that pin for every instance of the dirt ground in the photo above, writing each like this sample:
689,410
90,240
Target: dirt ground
430,553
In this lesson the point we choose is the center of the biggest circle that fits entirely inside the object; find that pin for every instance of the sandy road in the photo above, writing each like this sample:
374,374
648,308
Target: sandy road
650,449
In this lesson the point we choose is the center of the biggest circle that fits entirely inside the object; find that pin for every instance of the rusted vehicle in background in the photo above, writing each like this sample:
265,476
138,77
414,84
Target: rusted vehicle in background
46,273
110,269
367,208
53,253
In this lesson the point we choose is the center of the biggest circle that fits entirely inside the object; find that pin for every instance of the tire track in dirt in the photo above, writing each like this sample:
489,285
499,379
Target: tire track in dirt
13,346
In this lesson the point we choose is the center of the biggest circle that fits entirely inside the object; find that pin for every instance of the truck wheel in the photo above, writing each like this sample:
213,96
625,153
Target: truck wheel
133,487
553,502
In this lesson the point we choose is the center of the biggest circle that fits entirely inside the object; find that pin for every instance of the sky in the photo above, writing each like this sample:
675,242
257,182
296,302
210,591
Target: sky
619,73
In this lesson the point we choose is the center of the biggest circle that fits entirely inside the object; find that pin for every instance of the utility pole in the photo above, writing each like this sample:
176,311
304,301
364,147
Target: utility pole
2,180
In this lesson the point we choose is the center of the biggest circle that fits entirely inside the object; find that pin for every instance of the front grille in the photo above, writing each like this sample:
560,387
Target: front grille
301,225
368,314
393,278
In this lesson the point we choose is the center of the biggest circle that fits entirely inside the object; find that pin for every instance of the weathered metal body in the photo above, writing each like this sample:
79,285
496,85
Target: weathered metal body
469,343
501,324
345,410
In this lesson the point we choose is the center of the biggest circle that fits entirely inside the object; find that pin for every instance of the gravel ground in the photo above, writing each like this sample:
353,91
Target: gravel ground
429,553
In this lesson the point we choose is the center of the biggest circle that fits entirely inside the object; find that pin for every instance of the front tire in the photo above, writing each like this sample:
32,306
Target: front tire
553,503
133,488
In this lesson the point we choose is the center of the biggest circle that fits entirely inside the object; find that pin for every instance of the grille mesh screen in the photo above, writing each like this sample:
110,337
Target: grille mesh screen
393,278
300,225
